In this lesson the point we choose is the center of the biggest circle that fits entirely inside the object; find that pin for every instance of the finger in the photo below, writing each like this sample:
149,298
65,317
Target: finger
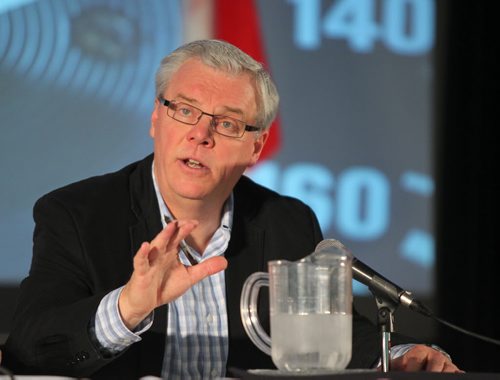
435,363
414,364
141,259
408,363
162,239
451,368
206,268
438,362
396,364
187,221
441,363
184,228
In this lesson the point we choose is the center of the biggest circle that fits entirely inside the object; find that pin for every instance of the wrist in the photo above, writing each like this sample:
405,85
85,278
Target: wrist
131,318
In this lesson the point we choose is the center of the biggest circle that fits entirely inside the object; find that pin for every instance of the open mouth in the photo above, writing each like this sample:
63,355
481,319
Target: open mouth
193,163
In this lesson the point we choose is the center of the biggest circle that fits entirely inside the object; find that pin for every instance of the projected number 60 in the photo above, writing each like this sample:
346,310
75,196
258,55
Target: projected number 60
357,200
362,198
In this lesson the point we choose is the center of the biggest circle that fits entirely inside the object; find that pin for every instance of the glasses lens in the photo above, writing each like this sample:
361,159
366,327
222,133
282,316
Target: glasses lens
228,126
223,125
184,113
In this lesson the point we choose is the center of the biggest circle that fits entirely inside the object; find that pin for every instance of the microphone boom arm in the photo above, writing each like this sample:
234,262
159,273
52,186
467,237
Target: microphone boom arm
382,287
390,295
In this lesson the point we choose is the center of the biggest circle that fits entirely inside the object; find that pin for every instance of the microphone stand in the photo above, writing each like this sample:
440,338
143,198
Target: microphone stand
385,321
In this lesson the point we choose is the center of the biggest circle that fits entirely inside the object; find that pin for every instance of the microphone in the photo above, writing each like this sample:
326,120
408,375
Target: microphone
378,284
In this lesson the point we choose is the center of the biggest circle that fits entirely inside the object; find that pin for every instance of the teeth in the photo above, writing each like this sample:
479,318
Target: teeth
193,164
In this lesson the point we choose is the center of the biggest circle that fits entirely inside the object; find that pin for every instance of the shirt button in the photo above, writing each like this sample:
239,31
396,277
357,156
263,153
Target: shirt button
210,318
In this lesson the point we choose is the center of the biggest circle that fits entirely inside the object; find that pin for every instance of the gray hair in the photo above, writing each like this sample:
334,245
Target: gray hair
222,55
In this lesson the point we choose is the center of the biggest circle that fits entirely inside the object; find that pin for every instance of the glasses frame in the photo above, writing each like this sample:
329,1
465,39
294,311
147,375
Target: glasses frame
168,103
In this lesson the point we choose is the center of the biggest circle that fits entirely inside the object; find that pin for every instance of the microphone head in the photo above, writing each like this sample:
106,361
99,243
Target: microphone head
328,244
330,250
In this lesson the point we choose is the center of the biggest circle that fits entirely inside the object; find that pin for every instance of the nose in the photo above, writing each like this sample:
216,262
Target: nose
201,133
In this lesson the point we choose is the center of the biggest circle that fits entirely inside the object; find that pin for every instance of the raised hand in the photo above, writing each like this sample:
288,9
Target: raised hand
159,277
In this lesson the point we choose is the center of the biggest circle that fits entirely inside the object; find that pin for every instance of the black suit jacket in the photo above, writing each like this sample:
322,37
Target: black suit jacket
85,237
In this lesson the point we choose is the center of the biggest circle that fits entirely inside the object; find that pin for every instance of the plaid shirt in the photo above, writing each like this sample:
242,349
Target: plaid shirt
197,330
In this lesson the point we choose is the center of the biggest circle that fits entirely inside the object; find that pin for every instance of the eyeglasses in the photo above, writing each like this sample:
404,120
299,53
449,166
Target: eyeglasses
221,124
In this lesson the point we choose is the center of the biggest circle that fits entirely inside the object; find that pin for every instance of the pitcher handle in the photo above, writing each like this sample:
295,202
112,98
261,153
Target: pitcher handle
248,310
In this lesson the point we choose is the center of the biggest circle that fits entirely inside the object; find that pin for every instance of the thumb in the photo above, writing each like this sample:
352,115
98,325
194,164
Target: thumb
206,268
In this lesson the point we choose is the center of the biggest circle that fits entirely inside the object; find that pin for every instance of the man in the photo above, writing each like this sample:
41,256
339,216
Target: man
115,291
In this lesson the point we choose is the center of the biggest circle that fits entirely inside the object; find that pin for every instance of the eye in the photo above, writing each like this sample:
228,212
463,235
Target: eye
184,110
227,124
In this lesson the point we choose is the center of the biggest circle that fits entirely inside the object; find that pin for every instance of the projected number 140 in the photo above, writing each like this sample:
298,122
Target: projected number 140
405,27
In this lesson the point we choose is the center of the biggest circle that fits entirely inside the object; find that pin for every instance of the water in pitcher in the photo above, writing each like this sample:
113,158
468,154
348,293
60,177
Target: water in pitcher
313,342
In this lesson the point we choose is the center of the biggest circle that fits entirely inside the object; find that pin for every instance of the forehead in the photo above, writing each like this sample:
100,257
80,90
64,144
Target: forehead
213,88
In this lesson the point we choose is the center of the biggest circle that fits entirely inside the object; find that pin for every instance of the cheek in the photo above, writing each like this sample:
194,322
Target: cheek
164,133
241,157
163,142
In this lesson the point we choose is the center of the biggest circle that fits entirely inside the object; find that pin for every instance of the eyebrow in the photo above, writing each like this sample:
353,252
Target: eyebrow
186,98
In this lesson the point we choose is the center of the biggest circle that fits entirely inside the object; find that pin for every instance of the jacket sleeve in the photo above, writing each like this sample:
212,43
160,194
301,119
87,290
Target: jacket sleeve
50,333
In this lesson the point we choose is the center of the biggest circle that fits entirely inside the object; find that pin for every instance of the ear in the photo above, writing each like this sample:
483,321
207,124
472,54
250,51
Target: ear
154,118
258,145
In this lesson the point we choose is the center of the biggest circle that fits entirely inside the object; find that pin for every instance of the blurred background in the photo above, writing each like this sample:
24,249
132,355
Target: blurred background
382,130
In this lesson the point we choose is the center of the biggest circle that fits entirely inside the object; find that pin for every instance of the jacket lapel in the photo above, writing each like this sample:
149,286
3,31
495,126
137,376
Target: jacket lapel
144,205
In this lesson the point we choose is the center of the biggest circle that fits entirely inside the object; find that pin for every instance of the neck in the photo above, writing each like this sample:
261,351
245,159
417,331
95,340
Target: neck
208,215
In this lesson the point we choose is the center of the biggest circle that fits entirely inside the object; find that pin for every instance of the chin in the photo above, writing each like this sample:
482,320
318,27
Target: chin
194,193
